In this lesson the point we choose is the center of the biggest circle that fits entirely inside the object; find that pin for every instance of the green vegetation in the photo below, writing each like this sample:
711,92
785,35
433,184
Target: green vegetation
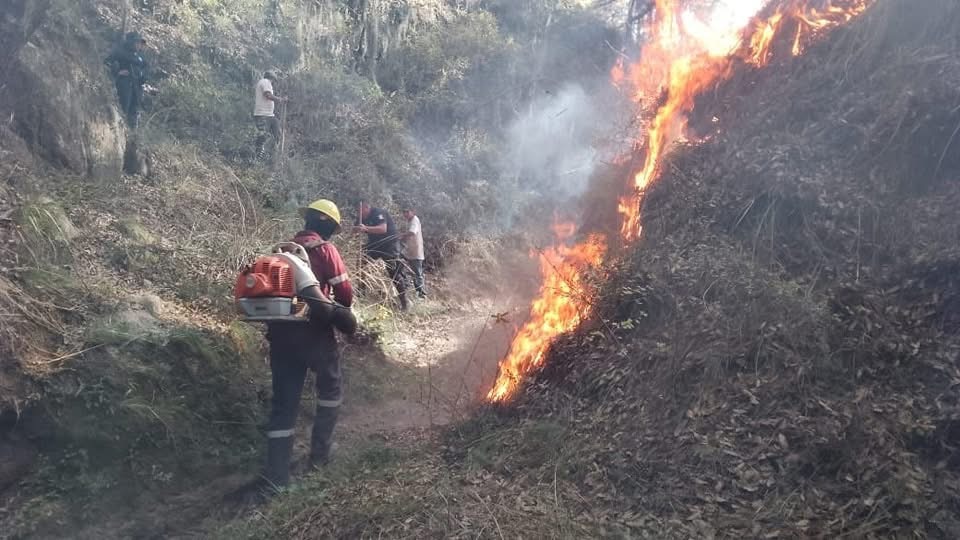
138,415
764,364
367,460
136,232
130,378
47,230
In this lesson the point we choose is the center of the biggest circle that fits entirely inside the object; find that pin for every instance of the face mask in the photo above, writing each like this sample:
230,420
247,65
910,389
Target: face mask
324,227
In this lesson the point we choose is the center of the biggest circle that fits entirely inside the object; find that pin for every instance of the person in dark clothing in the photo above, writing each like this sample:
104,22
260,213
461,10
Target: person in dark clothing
383,242
129,69
296,347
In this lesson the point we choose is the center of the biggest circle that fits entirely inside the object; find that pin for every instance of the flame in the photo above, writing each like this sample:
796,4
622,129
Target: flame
806,21
682,59
561,305
684,56
693,56
762,39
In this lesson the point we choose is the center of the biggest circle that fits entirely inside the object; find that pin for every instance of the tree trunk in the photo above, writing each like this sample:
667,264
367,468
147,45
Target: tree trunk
366,52
638,11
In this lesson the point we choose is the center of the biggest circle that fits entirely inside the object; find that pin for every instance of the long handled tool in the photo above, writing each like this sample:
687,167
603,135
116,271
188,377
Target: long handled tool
283,132
360,222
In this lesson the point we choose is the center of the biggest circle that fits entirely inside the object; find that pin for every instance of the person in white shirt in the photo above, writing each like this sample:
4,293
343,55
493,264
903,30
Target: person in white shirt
413,249
267,124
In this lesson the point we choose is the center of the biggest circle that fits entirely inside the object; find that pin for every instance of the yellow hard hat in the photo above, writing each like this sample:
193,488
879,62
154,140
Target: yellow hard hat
324,206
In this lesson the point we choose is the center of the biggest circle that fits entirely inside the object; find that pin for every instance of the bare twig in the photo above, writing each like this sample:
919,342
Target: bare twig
71,355
946,150
492,515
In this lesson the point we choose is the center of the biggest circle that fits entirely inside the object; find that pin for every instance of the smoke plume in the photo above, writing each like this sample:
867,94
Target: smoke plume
550,145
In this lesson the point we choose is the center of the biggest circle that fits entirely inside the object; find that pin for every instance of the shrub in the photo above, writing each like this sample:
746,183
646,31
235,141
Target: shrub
200,104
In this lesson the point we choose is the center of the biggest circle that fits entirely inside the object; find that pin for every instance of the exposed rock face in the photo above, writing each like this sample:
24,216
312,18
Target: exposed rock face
18,20
69,119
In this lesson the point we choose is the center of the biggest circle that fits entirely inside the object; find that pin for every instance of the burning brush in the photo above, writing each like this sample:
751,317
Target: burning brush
683,56
561,305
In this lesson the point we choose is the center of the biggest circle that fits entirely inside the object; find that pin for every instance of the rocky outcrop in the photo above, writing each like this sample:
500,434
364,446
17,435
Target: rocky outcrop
19,19
69,119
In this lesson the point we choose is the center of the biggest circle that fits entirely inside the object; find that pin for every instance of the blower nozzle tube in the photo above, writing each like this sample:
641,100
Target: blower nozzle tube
326,311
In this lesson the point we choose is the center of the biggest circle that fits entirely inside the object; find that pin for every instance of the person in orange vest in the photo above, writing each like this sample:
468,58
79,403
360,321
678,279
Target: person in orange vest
296,347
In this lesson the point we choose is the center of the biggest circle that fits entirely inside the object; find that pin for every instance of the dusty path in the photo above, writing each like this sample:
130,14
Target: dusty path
446,359
429,368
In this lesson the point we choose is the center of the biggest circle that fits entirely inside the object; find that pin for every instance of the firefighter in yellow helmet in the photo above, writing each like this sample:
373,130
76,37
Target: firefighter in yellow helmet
296,347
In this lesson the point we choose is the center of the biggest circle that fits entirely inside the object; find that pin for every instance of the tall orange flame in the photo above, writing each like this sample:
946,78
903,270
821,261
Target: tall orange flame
804,20
560,307
762,39
696,62
683,57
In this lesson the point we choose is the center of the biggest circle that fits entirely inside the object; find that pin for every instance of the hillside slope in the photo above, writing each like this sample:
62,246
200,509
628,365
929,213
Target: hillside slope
130,399
776,358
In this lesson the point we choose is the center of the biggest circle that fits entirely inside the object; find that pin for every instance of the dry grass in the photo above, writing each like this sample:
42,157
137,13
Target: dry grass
20,318
789,366
792,292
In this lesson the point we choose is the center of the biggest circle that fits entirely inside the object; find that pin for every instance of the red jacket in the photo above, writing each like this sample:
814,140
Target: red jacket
328,267
330,271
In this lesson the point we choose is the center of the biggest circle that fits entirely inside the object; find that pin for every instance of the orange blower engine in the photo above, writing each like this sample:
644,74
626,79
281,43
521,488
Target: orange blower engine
266,290
282,287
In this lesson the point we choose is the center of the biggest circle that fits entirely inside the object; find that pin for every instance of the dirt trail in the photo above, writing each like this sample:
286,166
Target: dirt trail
430,367
446,361
437,361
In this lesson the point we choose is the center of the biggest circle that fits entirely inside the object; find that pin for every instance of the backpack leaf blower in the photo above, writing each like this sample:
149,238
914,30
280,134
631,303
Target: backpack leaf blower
282,287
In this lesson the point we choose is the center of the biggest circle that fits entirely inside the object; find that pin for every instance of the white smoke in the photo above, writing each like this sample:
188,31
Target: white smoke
735,13
551,143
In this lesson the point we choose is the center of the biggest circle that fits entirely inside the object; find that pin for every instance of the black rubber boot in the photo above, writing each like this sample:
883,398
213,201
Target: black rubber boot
252,493
322,437
279,452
